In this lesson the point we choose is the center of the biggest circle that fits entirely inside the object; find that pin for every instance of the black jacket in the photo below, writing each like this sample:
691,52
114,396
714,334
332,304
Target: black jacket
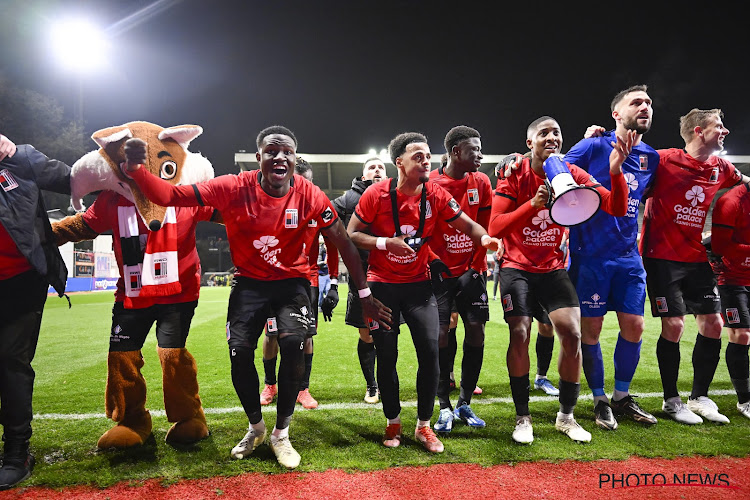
345,205
23,214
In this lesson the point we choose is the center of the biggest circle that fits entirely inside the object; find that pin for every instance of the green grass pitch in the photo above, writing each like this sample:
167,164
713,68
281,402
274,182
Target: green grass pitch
344,432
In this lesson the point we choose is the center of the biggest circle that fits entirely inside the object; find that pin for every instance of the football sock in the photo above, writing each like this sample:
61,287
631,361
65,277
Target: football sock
519,389
706,355
245,381
627,355
738,365
452,345
445,360
568,396
544,346
593,368
291,368
422,423
471,365
279,433
269,368
668,356
305,382
366,354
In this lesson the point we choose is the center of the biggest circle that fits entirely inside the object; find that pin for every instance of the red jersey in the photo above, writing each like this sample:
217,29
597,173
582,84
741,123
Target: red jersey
730,236
532,240
267,235
12,261
102,216
474,195
676,213
375,209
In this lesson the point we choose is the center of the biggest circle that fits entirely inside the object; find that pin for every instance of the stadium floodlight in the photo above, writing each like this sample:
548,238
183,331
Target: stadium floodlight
78,44
371,152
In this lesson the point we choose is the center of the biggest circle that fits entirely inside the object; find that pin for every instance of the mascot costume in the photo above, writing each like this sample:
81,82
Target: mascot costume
159,275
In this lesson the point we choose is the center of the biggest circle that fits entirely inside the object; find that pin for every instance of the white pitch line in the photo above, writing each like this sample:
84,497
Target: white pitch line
354,406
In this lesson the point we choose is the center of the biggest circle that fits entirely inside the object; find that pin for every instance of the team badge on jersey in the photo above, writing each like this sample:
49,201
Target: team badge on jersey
454,206
714,175
473,196
507,303
327,215
291,218
643,161
661,304
733,315
7,181
271,325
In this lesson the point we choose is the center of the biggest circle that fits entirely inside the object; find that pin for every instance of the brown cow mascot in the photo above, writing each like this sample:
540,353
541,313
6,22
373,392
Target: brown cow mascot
159,275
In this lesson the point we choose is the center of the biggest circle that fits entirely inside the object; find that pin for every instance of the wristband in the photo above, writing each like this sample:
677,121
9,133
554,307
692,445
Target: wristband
380,243
364,292
485,238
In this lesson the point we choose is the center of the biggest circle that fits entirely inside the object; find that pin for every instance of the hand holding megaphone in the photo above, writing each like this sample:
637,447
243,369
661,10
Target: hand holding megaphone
542,197
570,203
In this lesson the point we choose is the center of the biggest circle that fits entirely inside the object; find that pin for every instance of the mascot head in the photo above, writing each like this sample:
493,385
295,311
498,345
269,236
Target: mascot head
168,158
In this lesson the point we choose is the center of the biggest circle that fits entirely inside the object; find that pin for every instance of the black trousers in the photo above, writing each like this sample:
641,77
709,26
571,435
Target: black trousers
417,304
22,301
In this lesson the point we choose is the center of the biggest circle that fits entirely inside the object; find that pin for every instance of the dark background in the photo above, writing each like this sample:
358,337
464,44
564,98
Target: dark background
348,76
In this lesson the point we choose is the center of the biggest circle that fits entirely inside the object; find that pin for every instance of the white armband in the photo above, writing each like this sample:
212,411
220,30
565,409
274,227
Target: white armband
380,243
365,292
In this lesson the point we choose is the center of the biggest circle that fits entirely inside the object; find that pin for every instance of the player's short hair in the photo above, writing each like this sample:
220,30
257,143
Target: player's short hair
533,125
458,134
372,158
302,167
696,118
398,144
621,94
274,130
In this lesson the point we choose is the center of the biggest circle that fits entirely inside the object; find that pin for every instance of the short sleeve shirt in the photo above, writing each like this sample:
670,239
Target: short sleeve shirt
733,211
375,209
676,213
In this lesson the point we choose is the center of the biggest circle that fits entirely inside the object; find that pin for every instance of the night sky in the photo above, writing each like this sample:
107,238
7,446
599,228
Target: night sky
348,76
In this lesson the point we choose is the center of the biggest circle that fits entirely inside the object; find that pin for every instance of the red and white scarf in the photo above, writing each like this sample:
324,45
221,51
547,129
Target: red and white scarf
157,274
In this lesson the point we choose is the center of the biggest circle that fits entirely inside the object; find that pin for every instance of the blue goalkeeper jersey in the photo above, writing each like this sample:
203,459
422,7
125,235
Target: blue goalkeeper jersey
605,235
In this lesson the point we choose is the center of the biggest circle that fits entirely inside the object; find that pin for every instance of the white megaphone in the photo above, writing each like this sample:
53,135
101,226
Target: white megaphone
571,204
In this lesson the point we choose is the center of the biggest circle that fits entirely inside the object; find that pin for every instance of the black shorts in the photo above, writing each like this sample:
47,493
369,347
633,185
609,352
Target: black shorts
353,315
470,302
734,306
283,306
534,294
131,326
679,288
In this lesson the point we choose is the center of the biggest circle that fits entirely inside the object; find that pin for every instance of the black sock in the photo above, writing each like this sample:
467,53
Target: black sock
706,355
366,353
519,389
269,368
544,346
305,382
471,365
452,345
568,396
668,355
738,365
445,361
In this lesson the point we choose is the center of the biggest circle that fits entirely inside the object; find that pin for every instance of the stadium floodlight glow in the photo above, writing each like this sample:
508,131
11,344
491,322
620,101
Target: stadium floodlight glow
78,44
371,152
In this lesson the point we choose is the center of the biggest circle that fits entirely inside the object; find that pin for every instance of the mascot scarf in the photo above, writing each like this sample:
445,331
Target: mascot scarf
154,273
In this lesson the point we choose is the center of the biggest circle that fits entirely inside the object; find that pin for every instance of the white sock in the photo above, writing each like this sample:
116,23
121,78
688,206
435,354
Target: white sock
564,416
259,428
278,434
396,420
618,395
422,423
600,398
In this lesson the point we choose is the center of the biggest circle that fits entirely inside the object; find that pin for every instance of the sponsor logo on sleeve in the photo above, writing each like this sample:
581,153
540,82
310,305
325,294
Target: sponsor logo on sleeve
454,206
327,215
